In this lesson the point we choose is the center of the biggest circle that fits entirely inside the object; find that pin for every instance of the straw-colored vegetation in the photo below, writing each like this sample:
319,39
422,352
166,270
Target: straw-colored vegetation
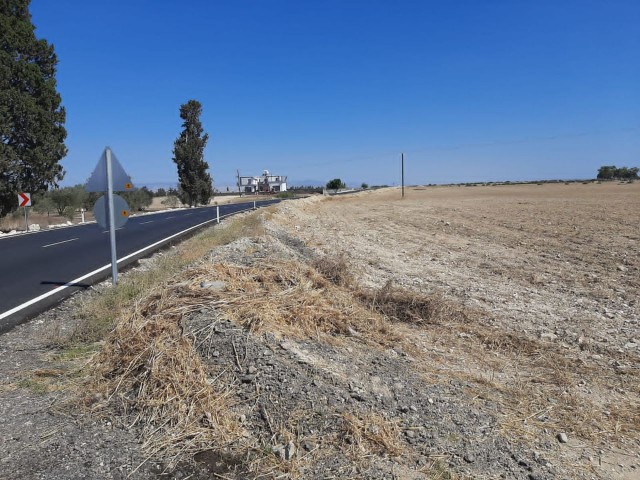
149,370
99,314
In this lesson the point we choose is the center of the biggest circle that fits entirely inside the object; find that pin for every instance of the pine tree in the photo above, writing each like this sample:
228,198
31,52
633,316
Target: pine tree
188,154
32,129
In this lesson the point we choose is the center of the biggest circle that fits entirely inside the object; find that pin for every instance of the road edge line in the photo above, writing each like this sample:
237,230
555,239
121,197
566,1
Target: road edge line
124,259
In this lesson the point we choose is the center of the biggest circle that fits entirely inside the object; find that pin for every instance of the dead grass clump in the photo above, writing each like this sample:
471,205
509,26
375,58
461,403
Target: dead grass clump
149,371
372,434
402,305
508,342
336,269
290,298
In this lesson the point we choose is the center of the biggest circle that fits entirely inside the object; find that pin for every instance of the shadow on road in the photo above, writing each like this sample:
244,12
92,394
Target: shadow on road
60,284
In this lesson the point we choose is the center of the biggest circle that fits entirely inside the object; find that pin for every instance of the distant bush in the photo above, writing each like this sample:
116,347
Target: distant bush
285,195
336,184
138,199
171,201
611,172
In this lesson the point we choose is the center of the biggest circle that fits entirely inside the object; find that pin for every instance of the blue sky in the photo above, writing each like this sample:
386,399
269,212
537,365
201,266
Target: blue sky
468,90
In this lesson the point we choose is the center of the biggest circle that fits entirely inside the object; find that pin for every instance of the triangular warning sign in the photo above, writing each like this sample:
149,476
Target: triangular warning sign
98,180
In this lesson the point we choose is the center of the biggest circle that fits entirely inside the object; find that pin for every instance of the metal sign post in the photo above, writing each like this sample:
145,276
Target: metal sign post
24,200
112,223
107,174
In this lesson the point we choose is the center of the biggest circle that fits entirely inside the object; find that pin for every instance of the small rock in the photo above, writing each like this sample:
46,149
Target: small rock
289,450
621,268
562,438
215,285
410,433
629,345
308,446
469,458
252,370
247,378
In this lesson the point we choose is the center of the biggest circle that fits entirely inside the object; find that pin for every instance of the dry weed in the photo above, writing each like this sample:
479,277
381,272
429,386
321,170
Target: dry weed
98,316
402,305
291,299
153,374
336,269
371,434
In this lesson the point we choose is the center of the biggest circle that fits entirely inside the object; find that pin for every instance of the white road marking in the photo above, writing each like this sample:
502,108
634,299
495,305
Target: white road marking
150,221
107,231
172,216
58,243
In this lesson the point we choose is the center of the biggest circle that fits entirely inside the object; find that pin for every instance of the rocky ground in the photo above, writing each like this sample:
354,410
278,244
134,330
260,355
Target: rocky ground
502,342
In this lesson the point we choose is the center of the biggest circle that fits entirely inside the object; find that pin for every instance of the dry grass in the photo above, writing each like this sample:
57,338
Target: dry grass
100,313
336,269
152,373
402,305
371,434
292,299
147,368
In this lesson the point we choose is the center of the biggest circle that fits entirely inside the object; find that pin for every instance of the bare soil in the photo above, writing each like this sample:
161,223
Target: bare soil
455,333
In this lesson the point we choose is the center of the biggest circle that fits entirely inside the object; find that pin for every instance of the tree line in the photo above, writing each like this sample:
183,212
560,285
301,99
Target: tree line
68,200
611,172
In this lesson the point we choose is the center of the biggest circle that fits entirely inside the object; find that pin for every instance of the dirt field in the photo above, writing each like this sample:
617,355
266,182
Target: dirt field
553,272
460,332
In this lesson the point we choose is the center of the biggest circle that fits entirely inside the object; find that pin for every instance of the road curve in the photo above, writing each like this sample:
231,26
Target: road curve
38,270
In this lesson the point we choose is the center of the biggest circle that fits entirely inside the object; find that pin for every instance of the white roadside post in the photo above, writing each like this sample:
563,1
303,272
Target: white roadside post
82,213
217,213
112,226
254,204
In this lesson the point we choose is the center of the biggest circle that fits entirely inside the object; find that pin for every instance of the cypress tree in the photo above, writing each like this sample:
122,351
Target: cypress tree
32,129
188,155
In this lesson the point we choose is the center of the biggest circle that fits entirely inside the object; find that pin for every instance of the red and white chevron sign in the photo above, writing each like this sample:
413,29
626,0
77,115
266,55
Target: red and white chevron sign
24,199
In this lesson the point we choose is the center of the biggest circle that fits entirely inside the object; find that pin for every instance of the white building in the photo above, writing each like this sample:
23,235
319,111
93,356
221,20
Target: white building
266,183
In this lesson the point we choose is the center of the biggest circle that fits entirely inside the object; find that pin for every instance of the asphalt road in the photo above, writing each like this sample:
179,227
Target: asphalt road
38,264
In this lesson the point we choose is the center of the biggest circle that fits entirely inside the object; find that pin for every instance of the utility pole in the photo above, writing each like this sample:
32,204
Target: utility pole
238,181
402,161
